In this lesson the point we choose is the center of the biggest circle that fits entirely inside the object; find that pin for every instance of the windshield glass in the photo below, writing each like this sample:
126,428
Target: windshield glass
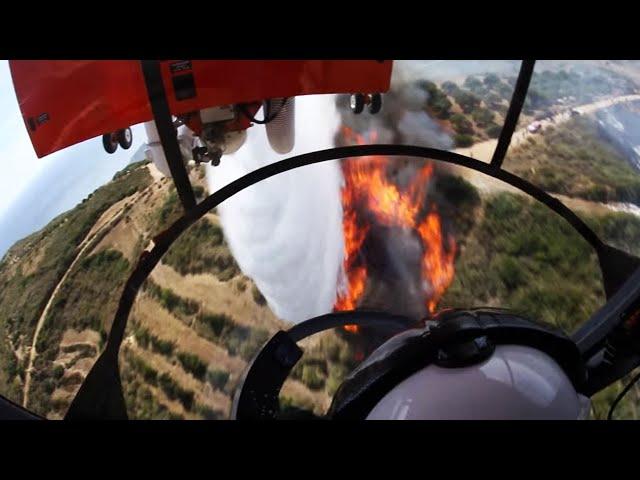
578,138
403,235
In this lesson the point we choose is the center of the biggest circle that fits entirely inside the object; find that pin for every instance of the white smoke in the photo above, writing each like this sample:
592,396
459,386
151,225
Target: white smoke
286,232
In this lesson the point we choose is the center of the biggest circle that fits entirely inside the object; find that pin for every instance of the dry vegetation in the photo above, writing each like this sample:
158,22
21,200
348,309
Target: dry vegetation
193,328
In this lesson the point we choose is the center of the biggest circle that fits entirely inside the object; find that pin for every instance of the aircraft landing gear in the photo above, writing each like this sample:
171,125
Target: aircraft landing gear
375,104
110,141
125,138
357,103
199,153
359,100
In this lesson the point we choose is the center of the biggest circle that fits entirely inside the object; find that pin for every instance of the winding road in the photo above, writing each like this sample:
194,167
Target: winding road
86,242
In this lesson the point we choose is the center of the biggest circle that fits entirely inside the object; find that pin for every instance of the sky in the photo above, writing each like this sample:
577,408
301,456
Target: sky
19,162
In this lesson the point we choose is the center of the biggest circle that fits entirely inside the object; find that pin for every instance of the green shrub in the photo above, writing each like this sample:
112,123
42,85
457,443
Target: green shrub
312,377
217,378
437,101
202,249
472,83
458,191
142,336
128,169
170,211
461,124
337,374
257,295
482,116
198,191
467,100
494,130
217,322
193,364
491,80
171,301
449,87
462,140
175,392
574,159
58,371
523,257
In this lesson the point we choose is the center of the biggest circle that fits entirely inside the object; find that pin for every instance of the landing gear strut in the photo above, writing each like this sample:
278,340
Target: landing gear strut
110,141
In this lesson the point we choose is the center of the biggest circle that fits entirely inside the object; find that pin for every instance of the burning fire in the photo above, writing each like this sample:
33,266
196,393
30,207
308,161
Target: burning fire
368,189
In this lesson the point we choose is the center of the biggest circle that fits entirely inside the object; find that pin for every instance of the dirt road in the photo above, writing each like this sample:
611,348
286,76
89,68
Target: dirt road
86,242
484,151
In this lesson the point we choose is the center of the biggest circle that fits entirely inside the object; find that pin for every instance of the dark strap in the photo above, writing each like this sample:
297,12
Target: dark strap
257,399
515,107
167,131
100,396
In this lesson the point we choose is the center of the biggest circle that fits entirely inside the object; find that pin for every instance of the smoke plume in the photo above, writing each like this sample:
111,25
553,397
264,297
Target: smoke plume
286,232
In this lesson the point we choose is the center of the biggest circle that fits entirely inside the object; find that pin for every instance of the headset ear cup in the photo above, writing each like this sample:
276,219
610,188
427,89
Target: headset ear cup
386,367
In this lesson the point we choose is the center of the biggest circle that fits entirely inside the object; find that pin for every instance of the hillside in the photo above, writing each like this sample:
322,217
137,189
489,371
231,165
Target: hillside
193,328
577,160
198,320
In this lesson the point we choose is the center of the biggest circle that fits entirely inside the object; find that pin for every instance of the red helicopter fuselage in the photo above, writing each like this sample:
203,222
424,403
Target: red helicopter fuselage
64,102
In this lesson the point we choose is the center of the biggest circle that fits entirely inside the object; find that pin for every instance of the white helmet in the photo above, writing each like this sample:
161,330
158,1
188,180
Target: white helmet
468,364
516,383
463,364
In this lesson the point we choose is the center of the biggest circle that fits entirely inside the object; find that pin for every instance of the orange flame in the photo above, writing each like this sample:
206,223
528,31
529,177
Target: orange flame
368,188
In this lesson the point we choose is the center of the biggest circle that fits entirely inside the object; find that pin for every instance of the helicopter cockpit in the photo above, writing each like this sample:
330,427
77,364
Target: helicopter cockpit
402,240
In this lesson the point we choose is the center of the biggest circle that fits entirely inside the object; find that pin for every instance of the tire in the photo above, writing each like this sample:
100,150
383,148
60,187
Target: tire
356,102
125,138
376,103
109,143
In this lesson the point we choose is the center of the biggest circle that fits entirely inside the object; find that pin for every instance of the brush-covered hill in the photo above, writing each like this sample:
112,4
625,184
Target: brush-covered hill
194,326
198,320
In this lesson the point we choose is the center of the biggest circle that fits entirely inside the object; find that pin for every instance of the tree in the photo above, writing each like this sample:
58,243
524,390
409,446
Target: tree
536,100
439,104
482,116
193,364
217,378
472,83
493,100
491,80
463,140
461,124
504,90
312,377
449,87
427,85
257,295
467,101
494,130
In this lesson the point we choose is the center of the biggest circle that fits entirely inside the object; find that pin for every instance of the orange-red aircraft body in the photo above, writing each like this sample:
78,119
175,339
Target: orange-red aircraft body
65,102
